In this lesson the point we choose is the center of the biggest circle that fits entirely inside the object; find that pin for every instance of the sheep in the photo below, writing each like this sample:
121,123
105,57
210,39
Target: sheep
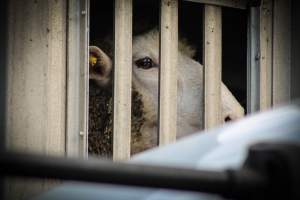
145,66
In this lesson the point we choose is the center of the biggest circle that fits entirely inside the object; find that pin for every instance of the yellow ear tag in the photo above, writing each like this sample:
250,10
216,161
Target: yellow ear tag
93,60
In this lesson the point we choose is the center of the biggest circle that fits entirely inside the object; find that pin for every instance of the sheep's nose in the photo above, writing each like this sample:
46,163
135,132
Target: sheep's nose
227,119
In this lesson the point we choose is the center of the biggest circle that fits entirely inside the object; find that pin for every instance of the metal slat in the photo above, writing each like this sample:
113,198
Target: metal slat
212,65
77,77
3,74
266,14
36,77
241,4
122,79
36,85
84,40
253,54
168,71
281,52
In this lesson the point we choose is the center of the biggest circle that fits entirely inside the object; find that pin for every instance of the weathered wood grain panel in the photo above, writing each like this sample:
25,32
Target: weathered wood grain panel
168,71
122,79
212,65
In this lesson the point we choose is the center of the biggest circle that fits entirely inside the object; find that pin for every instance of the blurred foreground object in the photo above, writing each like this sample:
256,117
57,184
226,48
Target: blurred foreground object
219,162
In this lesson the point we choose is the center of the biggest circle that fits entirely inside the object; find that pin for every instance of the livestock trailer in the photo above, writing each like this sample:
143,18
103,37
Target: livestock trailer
45,78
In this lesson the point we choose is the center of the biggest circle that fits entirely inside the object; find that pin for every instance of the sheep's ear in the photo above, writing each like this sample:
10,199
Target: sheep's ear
100,66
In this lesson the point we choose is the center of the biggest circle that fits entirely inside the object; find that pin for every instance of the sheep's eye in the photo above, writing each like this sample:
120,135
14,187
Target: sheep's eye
145,63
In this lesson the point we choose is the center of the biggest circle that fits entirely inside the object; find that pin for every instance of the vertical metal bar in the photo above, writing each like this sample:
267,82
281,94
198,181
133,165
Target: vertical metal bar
73,67
266,19
282,52
122,79
84,78
168,71
253,58
3,73
3,78
295,49
212,65
77,79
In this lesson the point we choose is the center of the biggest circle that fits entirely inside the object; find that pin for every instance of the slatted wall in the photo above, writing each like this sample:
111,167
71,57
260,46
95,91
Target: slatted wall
65,84
168,71
268,78
47,77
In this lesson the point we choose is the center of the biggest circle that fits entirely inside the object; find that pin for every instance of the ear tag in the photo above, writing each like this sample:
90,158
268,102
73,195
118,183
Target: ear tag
93,60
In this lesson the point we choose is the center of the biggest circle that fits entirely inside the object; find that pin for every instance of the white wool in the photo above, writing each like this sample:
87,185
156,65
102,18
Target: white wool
190,89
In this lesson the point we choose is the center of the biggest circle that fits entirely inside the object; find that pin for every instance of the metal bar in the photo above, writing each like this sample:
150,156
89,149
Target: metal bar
3,73
122,79
295,49
222,183
266,19
281,52
253,58
241,4
212,65
168,71
3,83
73,82
77,76
84,78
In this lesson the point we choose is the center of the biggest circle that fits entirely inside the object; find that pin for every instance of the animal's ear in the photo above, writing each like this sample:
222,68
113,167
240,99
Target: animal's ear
100,66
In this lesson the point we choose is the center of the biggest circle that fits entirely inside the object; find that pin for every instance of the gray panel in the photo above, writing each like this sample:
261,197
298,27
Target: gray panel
282,52
253,54
3,47
77,79
295,71
36,83
3,51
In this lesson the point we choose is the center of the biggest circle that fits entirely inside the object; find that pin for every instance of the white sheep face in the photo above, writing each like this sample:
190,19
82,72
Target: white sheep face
145,66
